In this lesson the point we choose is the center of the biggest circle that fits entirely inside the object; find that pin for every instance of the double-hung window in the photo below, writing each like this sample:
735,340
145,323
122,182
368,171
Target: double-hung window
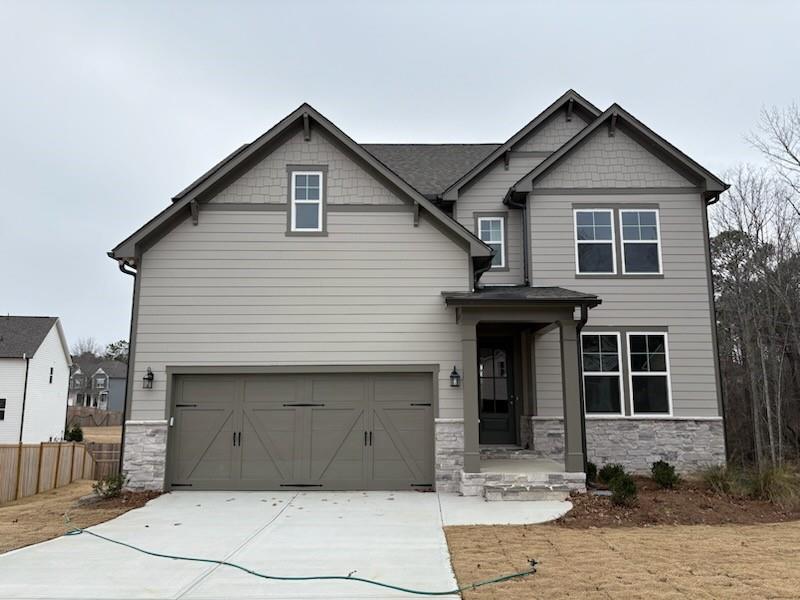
492,231
648,363
641,252
100,382
602,374
2,409
306,201
594,242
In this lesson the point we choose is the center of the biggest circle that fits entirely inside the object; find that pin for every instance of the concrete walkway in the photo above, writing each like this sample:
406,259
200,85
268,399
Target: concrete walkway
393,537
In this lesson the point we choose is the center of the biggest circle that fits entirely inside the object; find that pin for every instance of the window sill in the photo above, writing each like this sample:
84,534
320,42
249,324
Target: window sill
306,234
619,276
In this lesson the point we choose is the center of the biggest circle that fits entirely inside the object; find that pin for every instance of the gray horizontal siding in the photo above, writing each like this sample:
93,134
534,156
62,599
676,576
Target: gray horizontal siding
678,301
349,298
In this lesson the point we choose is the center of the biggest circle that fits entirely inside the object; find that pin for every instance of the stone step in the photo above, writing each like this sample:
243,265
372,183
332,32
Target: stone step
508,452
538,492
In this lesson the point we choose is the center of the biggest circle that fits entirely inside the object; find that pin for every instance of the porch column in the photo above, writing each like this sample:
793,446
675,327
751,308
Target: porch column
469,357
571,387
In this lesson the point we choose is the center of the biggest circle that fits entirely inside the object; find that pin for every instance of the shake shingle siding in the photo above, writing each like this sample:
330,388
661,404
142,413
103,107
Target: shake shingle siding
552,134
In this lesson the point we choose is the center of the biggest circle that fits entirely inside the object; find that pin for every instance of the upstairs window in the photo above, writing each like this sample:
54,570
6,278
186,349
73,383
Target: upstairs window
306,201
602,373
594,242
100,382
641,252
492,231
648,359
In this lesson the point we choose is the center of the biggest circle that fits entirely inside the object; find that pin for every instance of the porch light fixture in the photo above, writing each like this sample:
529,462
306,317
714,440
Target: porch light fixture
455,378
147,380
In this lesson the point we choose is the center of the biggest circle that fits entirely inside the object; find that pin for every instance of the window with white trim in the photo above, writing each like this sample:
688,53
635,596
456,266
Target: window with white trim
602,373
641,240
648,363
306,201
100,382
492,231
594,242
51,374
2,409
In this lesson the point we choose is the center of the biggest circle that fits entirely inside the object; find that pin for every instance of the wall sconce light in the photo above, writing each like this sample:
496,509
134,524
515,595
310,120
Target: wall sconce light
147,380
455,378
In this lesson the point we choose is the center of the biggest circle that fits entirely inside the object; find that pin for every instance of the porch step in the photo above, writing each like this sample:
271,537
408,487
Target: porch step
500,492
507,452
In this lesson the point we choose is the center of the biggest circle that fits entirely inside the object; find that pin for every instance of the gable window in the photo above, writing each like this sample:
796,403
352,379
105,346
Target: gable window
602,374
594,242
100,382
492,231
648,362
306,201
641,252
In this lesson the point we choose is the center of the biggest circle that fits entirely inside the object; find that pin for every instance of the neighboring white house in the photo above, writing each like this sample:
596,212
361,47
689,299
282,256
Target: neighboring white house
34,375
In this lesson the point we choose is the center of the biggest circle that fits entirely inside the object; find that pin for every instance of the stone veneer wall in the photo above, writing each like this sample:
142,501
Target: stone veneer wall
145,454
689,444
449,453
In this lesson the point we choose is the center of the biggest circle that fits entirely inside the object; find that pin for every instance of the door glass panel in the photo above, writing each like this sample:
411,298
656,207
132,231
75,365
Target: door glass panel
487,388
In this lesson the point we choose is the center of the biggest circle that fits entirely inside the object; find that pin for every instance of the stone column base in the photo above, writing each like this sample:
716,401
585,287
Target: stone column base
449,453
145,455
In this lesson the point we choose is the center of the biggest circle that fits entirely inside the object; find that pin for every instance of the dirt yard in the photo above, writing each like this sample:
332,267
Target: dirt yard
103,435
687,561
41,517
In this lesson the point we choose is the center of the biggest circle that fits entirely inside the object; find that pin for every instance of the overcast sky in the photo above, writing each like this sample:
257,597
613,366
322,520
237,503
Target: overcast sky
107,109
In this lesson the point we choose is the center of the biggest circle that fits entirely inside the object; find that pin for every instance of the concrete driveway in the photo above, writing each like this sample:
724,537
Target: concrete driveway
394,537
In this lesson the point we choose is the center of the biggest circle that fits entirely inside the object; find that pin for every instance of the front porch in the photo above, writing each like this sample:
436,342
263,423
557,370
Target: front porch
500,327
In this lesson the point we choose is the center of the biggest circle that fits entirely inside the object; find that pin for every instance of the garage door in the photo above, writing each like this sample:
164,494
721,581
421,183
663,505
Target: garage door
326,431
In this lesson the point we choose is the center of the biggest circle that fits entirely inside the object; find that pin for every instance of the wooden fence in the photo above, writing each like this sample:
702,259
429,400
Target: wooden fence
92,417
28,469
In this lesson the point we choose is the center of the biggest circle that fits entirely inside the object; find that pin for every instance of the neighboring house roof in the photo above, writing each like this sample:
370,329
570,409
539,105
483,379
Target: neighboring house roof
90,364
570,98
204,188
21,336
430,168
520,295
711,185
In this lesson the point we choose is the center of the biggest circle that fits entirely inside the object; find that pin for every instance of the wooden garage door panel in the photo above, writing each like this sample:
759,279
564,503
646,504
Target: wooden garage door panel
269,440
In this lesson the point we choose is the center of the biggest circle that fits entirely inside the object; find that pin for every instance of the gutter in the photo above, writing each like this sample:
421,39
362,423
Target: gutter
24,397
509,201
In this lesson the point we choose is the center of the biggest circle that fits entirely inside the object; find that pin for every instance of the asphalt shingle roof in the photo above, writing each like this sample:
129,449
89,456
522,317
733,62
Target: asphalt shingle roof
430,168
88,364
520,294
22,336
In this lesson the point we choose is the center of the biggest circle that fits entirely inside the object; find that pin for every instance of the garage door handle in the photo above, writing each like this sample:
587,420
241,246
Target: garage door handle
370,438
365,438
234,438
240,438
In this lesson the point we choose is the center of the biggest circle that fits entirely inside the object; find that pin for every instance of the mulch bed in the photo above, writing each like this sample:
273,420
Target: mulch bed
690,503
127,500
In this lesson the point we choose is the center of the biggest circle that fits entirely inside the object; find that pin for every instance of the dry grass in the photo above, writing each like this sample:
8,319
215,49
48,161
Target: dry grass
693,561
103,435
41,517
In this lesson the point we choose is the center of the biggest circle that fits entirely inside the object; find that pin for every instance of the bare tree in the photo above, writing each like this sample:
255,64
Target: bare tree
86,345
778,139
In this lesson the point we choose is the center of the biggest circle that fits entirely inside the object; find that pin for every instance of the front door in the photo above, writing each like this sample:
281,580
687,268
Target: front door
496,396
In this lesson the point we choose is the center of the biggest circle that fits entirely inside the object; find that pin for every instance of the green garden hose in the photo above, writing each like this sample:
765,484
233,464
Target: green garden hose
211,561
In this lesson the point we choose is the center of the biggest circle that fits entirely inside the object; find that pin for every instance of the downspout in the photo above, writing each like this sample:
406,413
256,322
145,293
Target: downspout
24,396
125,268
509,201
584,318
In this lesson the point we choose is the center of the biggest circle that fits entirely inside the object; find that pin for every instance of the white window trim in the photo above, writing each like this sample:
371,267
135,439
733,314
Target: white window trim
501,243
623,241
612,241
649,374
621,412
295,201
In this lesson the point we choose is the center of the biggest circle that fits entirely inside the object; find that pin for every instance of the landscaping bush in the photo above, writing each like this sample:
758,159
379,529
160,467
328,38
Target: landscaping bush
779,485
591,472
664,474
110,486
74,434
623,490
610,472
726,480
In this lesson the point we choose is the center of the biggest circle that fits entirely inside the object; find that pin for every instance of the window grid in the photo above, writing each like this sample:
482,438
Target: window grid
652,354
603,371
491,230
306,191
594,231
640,226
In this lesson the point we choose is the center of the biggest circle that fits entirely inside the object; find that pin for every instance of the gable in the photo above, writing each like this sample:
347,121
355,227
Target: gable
267,181
604,161
552,134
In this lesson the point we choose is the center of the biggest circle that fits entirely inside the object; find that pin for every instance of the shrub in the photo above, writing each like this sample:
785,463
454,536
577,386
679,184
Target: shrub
74,434
623,490
610,472
110,486
591,472
726,480
779,485
664,474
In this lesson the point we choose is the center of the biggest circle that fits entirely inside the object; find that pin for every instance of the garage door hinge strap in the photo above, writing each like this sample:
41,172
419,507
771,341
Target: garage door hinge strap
304,404
420,404
301,485
185,405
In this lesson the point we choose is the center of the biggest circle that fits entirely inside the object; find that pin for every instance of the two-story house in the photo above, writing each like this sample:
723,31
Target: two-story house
97,383
315,312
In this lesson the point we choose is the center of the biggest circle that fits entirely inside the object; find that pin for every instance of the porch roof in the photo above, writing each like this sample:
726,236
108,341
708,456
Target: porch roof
521,295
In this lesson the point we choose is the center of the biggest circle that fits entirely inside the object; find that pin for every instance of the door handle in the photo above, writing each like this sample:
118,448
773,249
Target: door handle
370,438
365,438
234,438
240,438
